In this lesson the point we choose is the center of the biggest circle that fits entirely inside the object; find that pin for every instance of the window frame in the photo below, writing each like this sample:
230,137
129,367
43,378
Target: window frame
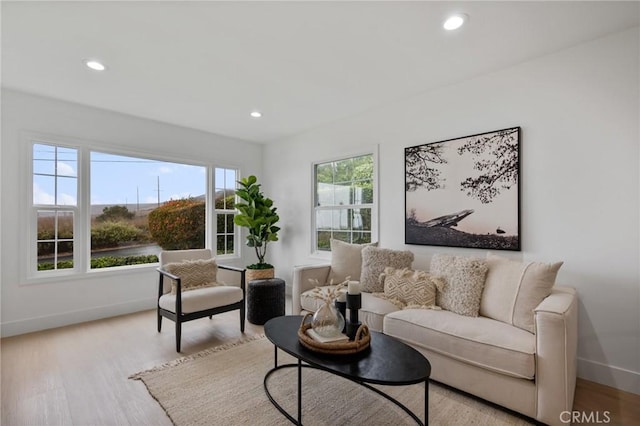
236,230
374,206
34,209
82,220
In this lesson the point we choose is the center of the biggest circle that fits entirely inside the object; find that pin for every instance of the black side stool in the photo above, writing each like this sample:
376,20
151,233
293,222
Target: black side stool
265,300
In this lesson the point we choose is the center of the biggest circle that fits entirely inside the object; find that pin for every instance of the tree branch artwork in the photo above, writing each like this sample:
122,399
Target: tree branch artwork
465,192
420,172
498,173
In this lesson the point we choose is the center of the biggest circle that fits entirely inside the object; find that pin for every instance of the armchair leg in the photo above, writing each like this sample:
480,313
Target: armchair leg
242,319
159,322
178,333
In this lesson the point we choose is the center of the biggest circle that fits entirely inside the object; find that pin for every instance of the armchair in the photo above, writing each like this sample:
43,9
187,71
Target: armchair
183,304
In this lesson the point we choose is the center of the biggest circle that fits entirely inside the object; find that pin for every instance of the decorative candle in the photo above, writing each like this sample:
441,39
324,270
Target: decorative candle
354,287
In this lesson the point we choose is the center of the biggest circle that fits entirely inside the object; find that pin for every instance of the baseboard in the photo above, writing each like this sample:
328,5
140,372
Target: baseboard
13,328
619,378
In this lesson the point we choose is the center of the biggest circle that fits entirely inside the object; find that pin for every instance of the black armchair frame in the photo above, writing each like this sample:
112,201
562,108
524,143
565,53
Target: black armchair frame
178,317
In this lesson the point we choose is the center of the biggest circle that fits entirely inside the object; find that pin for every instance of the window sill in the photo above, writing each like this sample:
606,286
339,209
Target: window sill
321,255
66,276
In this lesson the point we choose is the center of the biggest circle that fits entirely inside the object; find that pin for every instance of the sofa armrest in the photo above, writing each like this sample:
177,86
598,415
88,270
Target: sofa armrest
301,276
556,323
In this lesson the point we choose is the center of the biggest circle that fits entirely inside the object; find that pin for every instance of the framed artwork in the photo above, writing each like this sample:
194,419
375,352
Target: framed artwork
464,192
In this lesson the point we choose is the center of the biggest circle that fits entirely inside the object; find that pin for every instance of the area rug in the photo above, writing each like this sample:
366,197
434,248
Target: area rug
224,386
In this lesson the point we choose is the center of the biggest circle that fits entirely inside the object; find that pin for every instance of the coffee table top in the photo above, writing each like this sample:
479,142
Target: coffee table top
388,361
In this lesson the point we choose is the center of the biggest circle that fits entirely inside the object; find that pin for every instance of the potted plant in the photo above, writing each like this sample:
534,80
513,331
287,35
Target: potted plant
257,214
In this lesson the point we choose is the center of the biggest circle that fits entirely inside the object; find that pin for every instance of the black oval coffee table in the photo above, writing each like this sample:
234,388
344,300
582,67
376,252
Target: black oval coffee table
387,361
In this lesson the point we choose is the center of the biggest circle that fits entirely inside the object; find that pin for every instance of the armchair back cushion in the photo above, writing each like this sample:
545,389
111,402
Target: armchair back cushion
513,289
175,256
193,274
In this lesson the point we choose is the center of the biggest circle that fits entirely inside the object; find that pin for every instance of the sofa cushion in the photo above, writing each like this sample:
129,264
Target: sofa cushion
203,298
193,273
513,289
372,312
480,341
464,277
375,259
411,287
346,261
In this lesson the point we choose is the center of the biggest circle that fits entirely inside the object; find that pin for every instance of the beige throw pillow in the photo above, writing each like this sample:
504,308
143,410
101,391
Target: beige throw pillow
193,274
513,289
464,280
374,260
412,288
346,261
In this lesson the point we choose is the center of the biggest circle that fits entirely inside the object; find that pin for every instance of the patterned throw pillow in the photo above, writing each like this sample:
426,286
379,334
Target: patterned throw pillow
464,281
374,260
193,274
411,288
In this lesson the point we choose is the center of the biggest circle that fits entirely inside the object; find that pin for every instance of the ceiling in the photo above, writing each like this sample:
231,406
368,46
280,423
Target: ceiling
207,65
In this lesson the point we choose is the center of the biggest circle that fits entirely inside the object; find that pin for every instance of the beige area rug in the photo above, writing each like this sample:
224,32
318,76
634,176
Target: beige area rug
223,386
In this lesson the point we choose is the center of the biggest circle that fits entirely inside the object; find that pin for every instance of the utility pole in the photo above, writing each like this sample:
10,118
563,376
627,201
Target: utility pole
137,199
158,191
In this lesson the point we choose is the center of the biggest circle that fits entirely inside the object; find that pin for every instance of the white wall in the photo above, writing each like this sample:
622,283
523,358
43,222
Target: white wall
579,111
29,307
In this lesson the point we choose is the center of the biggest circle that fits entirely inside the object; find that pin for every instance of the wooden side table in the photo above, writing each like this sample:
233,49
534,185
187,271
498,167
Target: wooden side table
265,300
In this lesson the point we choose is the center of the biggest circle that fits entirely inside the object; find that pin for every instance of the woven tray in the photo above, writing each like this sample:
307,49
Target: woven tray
360,343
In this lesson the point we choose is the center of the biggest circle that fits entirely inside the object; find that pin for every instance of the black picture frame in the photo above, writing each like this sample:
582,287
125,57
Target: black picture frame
465,192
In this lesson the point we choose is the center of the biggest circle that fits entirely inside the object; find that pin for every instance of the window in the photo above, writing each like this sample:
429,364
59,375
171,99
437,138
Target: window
140,206
94,209
344,201
55,201
225,210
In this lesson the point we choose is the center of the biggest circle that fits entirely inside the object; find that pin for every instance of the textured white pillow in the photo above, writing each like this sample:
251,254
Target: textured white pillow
346,261
513,289
193,274
374,260
464,277
412,288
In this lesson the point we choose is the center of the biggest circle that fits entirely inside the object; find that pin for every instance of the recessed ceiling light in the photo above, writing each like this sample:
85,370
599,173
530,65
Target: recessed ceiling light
256,114
95,65
455,21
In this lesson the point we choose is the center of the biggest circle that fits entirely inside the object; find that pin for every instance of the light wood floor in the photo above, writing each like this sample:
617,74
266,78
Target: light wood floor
77,375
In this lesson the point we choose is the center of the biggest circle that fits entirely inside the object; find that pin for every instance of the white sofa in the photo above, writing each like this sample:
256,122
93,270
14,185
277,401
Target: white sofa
531,373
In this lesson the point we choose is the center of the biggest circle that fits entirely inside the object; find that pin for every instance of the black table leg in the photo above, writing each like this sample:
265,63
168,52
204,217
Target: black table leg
275,356
299,391
426,402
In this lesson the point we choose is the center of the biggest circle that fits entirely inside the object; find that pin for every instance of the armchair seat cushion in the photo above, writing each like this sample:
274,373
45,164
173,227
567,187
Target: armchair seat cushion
480,341
202,299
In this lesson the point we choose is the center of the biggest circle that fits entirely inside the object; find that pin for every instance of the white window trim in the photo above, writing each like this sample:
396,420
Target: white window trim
212,233
375,206
82,223
32,209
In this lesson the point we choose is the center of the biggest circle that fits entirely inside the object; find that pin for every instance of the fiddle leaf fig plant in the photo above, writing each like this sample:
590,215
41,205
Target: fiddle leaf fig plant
257,214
